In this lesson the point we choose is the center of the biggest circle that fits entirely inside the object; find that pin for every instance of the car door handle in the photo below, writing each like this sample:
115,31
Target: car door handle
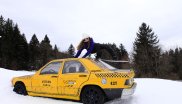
54,76
82,75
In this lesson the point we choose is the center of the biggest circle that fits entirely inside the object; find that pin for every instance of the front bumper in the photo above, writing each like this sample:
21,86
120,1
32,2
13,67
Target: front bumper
119,92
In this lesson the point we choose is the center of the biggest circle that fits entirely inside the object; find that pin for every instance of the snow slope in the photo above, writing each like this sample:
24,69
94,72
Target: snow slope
7,96
149,91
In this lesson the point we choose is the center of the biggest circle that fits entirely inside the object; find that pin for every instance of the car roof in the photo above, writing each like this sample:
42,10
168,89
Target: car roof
67,59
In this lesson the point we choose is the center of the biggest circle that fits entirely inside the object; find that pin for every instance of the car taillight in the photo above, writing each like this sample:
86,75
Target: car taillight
129,81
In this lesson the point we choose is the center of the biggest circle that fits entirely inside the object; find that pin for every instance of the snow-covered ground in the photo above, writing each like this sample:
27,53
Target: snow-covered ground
149,91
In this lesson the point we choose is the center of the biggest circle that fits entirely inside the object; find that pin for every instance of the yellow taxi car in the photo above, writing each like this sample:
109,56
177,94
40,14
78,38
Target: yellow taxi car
91,82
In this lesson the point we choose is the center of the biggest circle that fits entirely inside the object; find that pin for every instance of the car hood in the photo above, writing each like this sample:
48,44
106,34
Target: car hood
25,77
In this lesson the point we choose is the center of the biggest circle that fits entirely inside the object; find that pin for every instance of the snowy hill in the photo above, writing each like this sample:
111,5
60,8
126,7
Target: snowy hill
149,91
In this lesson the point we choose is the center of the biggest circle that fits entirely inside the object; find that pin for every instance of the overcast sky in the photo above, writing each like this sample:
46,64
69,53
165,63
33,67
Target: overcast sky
107,21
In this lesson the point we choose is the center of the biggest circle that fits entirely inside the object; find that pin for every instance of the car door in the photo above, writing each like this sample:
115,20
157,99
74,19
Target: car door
74,74
46,81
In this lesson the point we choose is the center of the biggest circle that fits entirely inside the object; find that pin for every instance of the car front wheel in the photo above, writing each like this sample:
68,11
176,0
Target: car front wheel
19,88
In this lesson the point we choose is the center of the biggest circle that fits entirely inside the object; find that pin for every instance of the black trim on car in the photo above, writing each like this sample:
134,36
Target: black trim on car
113,93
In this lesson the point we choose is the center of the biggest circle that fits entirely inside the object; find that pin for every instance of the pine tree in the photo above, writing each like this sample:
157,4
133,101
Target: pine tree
45,50
171,64
172,60
2,22
166,66
122,50
34,53
112,50
71,50
116,51
1,36
177,60
14,48
20,49
22,53
180,63
7,44
123,56
55,52
146,51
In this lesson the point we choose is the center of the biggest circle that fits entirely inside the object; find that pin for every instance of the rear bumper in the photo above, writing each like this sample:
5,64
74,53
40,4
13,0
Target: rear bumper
113,93
119,92
129,91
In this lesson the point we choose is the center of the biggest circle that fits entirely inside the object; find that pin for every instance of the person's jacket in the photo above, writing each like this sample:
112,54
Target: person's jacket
88,48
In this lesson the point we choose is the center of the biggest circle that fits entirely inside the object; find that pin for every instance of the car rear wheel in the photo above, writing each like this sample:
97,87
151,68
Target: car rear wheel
92,95
19,88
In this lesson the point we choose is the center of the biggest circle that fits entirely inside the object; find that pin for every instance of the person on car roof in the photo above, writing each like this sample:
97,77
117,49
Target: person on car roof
88,43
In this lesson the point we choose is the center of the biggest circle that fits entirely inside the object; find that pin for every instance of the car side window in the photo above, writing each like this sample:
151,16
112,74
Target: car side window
73,67
52,68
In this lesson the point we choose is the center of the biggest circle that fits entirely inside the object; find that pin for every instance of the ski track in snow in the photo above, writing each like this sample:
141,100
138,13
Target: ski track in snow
148,91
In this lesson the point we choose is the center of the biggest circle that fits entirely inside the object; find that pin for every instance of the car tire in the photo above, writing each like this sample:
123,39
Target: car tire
19,88
92,95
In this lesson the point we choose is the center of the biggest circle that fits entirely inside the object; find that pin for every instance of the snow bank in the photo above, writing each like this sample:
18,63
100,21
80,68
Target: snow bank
149,91
7,96
154,91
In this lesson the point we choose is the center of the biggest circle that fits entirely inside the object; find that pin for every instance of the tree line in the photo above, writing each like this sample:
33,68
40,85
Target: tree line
17,54
147,58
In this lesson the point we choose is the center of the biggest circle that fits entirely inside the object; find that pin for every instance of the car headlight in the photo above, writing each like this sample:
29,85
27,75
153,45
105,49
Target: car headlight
103,81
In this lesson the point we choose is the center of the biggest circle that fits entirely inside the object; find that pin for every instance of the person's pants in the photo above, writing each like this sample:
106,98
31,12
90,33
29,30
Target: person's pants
98,50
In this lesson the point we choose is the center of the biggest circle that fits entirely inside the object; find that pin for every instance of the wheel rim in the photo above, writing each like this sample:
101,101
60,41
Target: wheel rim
91,96
20,89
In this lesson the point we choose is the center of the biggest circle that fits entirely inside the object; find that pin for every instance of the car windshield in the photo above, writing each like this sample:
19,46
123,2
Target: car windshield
113,65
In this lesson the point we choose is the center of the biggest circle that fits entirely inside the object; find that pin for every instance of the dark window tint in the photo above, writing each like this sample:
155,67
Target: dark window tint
73,67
